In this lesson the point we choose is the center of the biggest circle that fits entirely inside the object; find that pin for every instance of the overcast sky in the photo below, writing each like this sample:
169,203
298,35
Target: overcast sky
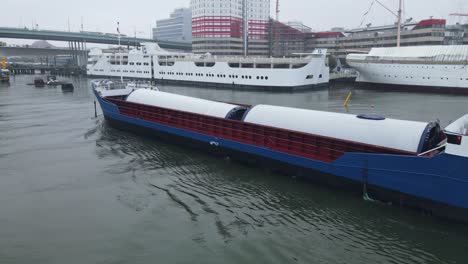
140,15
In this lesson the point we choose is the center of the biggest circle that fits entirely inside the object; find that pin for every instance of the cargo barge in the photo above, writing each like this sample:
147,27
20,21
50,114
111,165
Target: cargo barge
414,164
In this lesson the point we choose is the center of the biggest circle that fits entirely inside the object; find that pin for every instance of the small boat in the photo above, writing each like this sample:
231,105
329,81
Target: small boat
39,82
120,86
414,164
52,80
67,87
4,72
4,75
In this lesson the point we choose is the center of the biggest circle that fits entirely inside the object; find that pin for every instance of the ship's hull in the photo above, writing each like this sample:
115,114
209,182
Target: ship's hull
234,86
437,184
390,87
315,72
422,77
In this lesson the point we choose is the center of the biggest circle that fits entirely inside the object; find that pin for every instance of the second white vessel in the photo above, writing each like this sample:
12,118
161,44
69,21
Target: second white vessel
443,68
151,62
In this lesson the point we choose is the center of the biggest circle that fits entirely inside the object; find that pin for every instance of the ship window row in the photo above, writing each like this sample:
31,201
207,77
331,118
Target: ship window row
417,67
133,71
308,77
206,64
213,75
412,77
139,63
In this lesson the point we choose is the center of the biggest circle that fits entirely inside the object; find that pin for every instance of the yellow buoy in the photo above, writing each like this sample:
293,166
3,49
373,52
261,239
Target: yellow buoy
347,99
4,65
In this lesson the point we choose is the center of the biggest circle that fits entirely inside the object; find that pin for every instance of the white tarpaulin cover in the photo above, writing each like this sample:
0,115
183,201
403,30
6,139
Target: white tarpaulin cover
390,133
181,102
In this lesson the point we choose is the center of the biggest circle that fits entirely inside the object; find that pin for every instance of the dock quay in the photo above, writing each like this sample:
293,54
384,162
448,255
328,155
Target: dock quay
17,69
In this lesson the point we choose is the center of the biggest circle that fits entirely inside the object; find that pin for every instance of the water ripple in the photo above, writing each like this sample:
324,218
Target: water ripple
106,192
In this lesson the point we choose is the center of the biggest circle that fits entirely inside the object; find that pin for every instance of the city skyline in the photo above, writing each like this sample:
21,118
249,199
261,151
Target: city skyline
140,17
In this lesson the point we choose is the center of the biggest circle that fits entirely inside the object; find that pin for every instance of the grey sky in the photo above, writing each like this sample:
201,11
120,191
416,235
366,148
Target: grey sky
140,15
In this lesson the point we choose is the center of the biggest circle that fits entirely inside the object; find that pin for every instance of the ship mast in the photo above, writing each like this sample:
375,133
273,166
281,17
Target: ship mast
399,23
398,15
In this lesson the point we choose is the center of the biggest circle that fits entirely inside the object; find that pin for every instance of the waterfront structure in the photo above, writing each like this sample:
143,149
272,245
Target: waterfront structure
150,62
441,67
408,163
237,27
340,43
299,26
454,34
178,27
286,40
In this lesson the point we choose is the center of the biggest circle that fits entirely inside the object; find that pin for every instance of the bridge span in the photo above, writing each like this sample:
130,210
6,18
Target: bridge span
87,37
24,51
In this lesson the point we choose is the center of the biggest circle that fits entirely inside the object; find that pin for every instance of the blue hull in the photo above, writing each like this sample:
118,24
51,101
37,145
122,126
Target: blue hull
438,184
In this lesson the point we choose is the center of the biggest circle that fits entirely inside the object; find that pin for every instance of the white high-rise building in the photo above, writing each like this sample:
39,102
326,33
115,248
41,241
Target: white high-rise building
178,27
218,26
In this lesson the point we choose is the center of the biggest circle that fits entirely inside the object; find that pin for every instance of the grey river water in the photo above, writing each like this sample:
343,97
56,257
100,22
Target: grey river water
74,190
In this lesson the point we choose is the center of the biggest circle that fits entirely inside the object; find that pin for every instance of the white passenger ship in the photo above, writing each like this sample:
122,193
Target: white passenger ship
151,62
443,68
